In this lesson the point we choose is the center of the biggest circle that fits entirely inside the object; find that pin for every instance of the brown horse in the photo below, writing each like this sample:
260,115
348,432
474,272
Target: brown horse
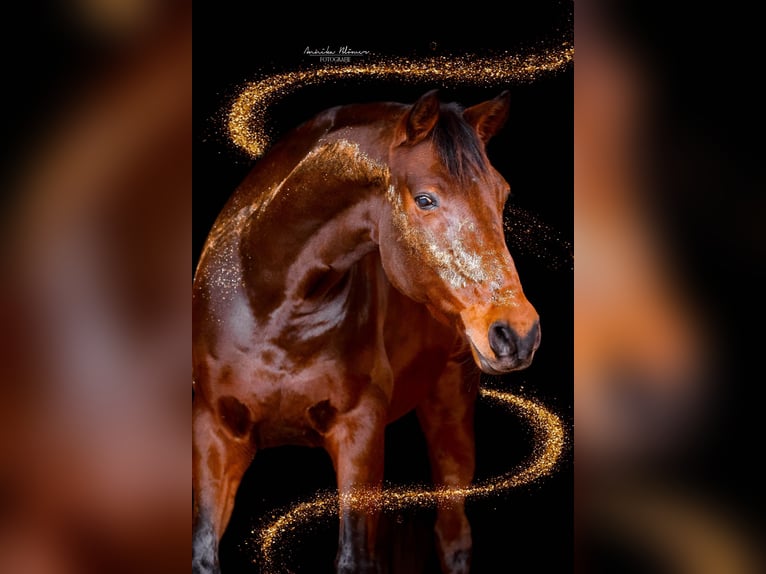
347,281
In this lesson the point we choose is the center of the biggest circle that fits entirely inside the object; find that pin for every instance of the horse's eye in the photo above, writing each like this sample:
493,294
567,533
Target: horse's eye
426,202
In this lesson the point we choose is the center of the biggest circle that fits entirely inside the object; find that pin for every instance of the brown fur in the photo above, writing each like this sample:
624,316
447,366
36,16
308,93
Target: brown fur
355,307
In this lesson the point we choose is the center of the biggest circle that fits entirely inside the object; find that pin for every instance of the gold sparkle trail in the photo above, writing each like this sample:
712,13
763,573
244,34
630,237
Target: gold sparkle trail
549,444
247,116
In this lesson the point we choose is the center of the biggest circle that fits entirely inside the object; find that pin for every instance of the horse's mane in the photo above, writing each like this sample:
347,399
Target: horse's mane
457,144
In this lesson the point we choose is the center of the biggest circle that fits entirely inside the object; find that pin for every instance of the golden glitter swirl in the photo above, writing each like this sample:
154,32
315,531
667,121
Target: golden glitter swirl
247,116
549,445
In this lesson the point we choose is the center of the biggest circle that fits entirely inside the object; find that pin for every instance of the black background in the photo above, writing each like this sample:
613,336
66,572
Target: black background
529,529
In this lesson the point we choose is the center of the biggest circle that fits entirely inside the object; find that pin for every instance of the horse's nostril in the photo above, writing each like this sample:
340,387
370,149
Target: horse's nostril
501,340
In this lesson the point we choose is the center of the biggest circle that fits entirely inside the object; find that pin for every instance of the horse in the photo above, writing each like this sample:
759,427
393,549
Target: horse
358,272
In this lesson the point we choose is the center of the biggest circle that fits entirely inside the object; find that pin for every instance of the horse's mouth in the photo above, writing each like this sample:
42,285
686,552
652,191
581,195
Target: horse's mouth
495,366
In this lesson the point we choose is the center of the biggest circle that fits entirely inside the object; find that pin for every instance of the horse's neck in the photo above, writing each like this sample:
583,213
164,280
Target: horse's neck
314,224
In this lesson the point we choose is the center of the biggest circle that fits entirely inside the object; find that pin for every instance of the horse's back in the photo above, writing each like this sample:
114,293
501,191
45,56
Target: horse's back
276,164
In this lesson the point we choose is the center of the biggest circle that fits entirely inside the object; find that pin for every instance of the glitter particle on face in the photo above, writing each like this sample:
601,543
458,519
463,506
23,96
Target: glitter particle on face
448,257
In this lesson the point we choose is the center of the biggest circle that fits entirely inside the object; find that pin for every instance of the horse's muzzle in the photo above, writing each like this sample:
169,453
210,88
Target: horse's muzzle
512,351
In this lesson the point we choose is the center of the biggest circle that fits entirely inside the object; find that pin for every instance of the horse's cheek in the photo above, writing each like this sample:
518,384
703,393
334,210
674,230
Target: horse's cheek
391,257
403,273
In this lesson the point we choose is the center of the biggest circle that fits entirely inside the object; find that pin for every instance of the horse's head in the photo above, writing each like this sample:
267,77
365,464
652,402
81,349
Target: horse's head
441,236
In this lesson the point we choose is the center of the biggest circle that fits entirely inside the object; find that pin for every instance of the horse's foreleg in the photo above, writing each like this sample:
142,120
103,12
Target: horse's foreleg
446,417
355,443
219,461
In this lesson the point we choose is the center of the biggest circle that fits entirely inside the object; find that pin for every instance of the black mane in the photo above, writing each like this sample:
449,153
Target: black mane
457,144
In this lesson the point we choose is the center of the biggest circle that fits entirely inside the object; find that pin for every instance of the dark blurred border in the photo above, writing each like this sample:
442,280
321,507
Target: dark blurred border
699,505
96,210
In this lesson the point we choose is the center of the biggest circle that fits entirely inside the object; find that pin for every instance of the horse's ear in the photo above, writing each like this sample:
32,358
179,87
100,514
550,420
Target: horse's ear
421,118
489,117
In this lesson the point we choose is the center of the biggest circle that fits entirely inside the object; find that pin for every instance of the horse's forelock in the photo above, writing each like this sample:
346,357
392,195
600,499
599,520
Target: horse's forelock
457,145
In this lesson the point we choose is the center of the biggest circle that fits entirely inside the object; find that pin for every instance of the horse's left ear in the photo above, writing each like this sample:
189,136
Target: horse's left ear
489,117
421,118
